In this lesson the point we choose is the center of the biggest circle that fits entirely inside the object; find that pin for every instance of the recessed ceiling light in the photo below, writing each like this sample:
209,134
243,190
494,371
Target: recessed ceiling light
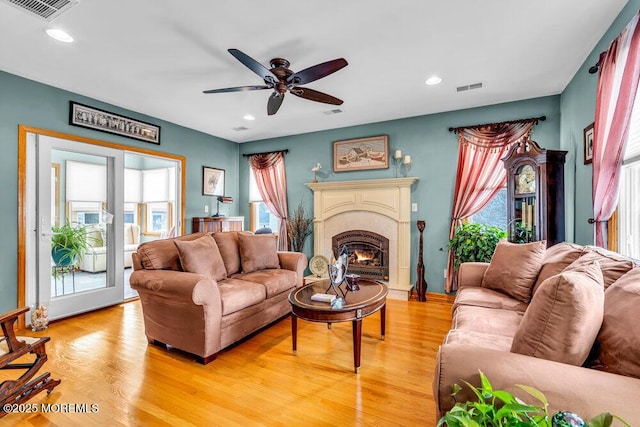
248,117
60,35
433,80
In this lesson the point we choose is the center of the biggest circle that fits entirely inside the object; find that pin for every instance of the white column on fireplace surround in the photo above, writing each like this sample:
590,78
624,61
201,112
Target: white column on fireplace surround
379,205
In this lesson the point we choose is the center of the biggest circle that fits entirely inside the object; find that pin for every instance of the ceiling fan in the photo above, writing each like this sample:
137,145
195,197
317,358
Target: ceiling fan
281,79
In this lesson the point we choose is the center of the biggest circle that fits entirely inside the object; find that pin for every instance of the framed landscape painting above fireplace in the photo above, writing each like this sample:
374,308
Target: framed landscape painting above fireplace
361,154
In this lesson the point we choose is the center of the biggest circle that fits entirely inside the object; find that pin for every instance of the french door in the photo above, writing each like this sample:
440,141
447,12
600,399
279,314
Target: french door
86,195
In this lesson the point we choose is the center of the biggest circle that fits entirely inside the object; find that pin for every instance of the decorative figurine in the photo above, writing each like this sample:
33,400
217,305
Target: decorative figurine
39,318
315,170
352,282
338,271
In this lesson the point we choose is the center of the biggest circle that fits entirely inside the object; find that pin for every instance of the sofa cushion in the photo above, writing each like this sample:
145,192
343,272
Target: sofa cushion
201,256
274,280
478,339
258,252
613,265
557,258
617,348
514,268
492,321
564,317
229,249
484,297
238,294
163,254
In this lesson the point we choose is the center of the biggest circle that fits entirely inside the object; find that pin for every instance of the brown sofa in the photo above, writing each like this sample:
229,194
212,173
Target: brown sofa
574,335
203,292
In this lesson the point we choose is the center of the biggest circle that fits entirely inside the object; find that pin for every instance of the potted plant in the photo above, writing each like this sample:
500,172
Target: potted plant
68,244
496,408
475,243
299,227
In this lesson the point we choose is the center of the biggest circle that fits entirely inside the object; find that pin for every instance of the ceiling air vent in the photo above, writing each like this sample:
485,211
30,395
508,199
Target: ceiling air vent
48,10
240,128
334,111
469,87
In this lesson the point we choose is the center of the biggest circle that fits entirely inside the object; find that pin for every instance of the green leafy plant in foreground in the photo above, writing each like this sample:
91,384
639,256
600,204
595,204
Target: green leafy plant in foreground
499,408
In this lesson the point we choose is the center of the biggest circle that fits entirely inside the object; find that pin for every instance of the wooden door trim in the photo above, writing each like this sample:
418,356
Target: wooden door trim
23,130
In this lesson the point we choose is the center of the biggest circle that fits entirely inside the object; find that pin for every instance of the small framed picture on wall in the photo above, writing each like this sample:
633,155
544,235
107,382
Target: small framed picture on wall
212,181
588,144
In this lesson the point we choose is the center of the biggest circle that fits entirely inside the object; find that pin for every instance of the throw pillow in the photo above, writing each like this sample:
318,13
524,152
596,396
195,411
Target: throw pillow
557,258
162,254
257,252
201,256
564,317
229,249
514,268
613,265
616,349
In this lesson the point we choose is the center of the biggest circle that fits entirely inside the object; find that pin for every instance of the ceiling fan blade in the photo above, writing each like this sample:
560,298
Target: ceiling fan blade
274,103
236,89
314,95
253,65
316,72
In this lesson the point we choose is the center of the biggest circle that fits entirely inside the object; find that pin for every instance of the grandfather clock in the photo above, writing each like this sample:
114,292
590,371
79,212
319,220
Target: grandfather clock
535,193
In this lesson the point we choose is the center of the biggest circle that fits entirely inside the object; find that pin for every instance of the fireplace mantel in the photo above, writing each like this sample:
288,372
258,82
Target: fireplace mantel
383,205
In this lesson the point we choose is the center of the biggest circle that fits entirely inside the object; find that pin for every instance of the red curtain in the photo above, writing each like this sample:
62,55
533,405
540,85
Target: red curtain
481,174
617,87
271,179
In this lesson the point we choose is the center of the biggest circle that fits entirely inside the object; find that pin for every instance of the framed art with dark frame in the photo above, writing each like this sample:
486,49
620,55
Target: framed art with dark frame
361,154
93,118
588,144
212,181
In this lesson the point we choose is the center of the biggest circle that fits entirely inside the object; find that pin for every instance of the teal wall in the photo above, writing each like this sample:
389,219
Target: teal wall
433,150
577,107
30,103
425,138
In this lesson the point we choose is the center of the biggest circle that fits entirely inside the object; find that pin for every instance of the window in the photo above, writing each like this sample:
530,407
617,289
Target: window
85,213
260,215
85,218
159,217
495,213
159,195
131,213
629,202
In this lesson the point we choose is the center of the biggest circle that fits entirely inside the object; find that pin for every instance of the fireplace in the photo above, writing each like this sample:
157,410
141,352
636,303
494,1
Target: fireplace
382,206
368,253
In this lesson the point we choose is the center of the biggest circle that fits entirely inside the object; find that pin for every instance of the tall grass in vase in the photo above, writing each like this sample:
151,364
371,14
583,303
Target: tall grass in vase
299,227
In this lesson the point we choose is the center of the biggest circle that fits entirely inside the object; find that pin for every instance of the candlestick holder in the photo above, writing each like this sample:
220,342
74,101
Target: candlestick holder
398,162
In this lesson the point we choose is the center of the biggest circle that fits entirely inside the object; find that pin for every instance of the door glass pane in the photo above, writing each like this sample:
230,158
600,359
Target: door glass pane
79,242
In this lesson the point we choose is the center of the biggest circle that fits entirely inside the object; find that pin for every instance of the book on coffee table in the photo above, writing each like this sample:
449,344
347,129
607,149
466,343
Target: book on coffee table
323,297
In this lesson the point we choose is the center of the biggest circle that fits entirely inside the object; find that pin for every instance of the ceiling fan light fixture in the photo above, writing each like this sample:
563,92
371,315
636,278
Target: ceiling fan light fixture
60,35
248,117
433,80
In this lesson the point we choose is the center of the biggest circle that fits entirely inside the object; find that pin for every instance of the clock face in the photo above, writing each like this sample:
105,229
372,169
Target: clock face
525,180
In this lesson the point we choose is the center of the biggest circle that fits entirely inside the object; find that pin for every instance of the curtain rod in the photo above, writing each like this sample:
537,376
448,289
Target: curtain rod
533,119
266,152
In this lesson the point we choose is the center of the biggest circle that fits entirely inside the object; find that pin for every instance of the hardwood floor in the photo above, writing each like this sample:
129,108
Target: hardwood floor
103,360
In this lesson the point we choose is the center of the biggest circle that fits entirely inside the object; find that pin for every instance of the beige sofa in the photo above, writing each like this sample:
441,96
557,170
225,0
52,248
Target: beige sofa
94,259
574,335
203,292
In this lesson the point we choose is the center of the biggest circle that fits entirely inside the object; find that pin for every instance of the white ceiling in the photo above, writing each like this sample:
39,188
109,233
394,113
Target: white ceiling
157,56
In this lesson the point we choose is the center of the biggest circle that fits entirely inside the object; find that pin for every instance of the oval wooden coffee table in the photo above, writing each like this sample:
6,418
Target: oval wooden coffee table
371,297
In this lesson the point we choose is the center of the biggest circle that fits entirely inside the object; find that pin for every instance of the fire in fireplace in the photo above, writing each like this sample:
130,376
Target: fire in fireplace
368,253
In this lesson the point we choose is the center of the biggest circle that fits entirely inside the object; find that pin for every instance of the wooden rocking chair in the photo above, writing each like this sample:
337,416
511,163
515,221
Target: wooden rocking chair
12,348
